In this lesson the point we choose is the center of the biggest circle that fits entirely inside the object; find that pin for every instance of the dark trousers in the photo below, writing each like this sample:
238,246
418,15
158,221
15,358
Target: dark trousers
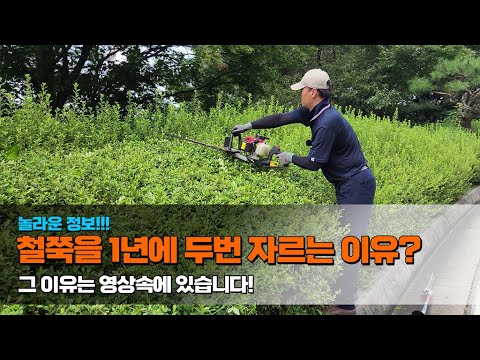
357,190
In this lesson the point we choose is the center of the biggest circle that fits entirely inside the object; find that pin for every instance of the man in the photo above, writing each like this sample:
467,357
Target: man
336,150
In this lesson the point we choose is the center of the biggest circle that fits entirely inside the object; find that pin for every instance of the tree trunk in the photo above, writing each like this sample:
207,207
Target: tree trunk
45,66
470,108
68,81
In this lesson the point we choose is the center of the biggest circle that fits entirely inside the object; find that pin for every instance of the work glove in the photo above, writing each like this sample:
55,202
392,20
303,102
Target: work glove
238,129
285,157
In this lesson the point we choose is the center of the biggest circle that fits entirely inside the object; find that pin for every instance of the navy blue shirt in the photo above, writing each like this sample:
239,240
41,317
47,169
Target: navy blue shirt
334,142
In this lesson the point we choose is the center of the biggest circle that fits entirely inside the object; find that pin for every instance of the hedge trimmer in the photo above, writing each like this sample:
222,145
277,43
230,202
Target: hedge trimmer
253,150
427,293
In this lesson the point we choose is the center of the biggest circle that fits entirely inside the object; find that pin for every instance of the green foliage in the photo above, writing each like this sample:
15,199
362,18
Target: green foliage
11,309
131,309
464,66
240,70
118,72
84,156
476,126
372,78
452,75
376,78
456,86
452,119
454,79
109,70
421,85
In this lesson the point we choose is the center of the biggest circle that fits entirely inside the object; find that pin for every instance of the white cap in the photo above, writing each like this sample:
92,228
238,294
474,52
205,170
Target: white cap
315,78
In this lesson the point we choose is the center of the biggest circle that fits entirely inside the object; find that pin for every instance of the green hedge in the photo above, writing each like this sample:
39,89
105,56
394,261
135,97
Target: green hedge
99,156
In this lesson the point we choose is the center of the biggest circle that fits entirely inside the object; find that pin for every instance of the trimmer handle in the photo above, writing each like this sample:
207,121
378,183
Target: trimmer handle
228,143
275,150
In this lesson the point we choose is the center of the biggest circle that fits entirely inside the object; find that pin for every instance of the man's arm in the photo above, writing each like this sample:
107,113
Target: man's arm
272,121
306,163
277,120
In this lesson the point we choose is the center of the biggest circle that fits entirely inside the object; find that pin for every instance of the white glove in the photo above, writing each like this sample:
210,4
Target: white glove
285,157
238,129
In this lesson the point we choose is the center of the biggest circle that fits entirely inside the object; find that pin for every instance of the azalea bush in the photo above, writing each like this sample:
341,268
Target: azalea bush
101,156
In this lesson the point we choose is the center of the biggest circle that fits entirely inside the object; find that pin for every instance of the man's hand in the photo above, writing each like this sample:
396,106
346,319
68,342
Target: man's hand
285,158
238,129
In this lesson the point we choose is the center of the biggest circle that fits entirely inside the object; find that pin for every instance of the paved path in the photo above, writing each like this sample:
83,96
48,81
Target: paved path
455,265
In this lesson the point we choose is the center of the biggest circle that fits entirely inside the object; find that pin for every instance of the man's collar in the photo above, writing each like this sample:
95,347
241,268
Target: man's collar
318,108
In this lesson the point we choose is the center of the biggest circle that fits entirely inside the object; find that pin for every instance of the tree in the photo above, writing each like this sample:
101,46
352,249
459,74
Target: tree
375,78
239,70
371,78
58,66
458,82
109,70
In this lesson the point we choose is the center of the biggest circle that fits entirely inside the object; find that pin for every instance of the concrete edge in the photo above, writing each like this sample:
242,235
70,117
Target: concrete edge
473,306
399,277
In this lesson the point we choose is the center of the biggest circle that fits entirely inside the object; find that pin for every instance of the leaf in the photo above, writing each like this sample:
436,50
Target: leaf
234,310
12,153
